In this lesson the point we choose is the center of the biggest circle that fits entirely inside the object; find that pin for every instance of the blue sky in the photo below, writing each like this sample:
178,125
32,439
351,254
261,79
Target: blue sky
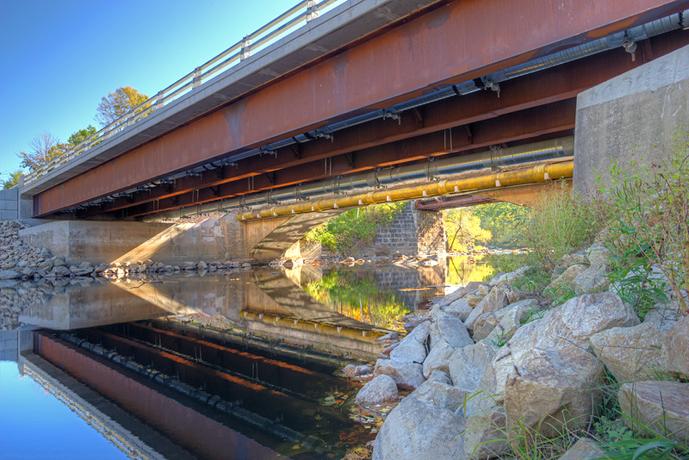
58,58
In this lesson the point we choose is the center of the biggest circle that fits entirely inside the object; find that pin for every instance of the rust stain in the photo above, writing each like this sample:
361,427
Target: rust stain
461,40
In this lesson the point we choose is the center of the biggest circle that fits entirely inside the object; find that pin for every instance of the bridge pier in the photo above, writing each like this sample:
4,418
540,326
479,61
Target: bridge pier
636,118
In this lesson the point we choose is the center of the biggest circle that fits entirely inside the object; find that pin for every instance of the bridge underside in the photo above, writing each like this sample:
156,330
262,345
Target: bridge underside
194,165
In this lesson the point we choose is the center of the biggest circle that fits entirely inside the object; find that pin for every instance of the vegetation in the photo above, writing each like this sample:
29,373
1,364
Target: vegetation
504,221
12,180
559,224
354,227
648,232
118,103
358,296
464,231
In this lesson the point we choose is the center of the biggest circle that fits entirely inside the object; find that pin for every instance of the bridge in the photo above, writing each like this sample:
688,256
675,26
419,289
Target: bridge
347,103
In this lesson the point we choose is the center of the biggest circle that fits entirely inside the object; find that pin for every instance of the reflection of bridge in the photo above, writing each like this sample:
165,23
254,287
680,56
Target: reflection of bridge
241,402
363,88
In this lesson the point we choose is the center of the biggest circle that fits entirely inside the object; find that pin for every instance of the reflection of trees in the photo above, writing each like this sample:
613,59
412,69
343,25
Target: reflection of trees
358,296
481,267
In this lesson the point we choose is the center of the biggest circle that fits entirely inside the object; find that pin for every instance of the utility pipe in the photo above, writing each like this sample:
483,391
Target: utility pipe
540,173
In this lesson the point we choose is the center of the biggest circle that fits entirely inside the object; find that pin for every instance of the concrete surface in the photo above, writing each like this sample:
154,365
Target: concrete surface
212,238
9,204
9,345
635,118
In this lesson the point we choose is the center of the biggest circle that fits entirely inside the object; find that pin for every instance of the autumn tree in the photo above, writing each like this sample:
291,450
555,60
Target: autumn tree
42,150
12,180
117,103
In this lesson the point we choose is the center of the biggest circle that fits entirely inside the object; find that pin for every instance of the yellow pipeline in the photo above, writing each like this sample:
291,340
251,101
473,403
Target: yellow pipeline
543,172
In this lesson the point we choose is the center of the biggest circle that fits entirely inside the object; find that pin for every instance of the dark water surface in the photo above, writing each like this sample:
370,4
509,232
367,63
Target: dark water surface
240,365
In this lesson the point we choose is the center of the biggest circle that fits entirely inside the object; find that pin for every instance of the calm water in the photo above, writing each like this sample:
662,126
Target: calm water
239,365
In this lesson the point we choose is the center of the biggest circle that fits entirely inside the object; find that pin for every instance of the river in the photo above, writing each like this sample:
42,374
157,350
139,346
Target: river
233,365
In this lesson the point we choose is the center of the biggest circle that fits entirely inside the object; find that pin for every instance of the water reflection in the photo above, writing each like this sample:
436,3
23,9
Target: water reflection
245,358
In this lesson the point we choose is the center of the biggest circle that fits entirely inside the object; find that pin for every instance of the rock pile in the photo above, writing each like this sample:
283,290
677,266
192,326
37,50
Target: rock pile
488,362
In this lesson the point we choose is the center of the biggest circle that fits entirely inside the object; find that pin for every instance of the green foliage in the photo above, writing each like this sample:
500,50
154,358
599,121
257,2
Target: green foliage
558,224
463,230
649,225
118,103
533,281
80,136
504,221
559,294
12,180
358,296
355,227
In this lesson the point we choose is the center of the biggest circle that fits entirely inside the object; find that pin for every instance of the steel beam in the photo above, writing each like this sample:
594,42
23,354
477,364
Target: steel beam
455,42
547,86
556,118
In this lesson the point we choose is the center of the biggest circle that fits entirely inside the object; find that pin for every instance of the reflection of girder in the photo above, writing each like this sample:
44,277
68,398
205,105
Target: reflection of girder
129,444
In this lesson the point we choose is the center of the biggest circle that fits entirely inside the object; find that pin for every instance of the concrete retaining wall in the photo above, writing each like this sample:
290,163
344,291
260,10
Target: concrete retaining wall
635,118
9,345
9,204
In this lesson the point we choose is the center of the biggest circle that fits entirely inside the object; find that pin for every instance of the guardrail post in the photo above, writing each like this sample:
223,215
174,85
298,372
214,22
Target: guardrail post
311,10
160,100
196,79
245,50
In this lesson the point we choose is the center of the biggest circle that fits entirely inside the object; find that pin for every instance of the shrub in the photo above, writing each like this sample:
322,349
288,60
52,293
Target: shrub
558,224
649,226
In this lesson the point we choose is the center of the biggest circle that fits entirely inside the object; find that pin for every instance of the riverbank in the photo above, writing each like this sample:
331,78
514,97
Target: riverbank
497,370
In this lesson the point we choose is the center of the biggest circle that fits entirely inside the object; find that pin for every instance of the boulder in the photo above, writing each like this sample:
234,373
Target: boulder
584,449
487,322
450,329
507,278
469,364
632,353
598,256
459,308
657,407
484,432
498,297
553,388
664,315
379,390
593,279
440,394
407,375
514,317
353,370
456,295
566,279
448,333
437,358
676,348
546,372
412,348
422,426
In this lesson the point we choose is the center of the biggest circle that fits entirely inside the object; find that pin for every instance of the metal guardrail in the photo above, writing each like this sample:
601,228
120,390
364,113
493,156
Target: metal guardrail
294,18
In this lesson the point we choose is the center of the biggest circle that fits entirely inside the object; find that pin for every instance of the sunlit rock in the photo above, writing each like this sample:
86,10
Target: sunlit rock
656,407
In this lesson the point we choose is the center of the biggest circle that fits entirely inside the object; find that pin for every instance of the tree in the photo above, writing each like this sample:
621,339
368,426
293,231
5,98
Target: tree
80,136
117,103
12,180
43,149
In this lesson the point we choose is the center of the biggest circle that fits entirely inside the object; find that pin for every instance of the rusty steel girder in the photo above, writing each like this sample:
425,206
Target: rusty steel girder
547,86
553,119
460,40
